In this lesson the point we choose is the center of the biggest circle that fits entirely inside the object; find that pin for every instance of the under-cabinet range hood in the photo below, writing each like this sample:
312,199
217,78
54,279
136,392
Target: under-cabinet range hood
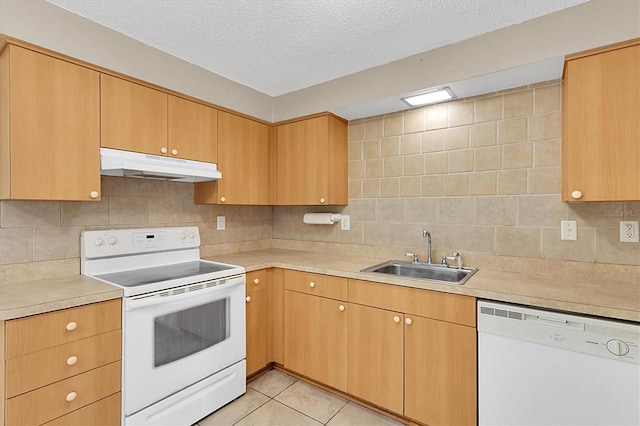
114,162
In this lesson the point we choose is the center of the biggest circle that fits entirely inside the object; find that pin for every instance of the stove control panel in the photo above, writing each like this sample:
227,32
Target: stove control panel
118,242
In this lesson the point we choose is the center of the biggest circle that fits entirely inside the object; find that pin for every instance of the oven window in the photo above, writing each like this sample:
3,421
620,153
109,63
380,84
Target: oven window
180,334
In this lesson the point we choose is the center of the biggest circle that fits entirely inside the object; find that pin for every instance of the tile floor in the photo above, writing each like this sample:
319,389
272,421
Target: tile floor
276,398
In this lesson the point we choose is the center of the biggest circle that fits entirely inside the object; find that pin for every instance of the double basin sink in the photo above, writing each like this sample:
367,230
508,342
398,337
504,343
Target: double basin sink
424,271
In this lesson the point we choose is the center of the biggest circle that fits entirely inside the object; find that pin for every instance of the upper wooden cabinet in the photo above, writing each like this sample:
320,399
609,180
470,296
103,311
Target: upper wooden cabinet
49,128
141,119
243,160
312,162
601,125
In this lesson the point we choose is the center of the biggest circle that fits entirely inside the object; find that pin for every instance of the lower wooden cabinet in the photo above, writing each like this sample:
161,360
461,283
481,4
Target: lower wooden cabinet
315,331
257,314
62,367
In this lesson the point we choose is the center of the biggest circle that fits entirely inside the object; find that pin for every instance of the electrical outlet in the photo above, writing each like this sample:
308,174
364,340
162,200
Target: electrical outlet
345,222
568,230
629,231
220,223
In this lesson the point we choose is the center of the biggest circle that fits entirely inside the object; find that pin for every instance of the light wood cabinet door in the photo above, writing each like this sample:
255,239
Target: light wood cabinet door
243,160
312,162
134,117
276,313
105,412
192,130
375,350
440,366
257,316
316,338
601,126
49,128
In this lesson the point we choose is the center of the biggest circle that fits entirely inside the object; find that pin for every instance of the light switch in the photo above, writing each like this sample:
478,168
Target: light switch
345,222
220,223
568,230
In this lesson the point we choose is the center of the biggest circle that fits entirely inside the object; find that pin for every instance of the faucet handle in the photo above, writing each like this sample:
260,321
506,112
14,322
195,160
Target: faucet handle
414,256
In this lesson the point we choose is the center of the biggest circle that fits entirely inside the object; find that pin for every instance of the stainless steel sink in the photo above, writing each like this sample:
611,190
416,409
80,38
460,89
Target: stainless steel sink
423,271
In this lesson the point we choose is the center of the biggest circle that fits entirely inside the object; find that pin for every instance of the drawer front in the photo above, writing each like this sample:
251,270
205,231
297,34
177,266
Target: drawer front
58,399
316,284
41,368
256,280
38,332
105,412
426,303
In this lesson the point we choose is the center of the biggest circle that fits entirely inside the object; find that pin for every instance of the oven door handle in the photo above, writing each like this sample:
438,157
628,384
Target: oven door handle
157,298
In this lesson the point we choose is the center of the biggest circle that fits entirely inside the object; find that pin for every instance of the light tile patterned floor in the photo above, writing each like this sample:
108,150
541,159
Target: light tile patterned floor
279,399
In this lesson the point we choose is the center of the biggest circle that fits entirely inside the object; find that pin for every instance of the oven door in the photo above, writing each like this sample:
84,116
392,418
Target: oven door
171,341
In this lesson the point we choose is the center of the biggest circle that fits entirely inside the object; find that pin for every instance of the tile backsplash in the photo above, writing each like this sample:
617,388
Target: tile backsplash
483,176
39,239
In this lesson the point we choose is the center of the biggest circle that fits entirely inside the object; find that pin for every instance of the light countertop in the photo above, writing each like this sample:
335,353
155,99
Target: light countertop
612,300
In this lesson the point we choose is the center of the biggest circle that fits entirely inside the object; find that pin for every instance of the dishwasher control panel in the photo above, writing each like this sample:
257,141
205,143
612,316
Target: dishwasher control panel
601,337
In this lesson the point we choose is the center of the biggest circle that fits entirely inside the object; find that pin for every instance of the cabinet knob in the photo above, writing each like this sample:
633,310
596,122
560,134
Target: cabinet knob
174,152
71,396
312,284
223,199
576,195
72,360
408,321
94,194
248,299
163,150
396,319
72,326
341,308
256,281
322,201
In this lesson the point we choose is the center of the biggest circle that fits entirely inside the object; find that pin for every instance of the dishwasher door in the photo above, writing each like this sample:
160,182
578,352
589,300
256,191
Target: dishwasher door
539,367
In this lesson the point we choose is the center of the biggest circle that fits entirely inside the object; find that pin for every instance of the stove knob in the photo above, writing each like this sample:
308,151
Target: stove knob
191,235
112,241
617,347
182,235
99,241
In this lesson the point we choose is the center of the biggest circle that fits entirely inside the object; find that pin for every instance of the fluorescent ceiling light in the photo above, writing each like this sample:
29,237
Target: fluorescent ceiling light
433,97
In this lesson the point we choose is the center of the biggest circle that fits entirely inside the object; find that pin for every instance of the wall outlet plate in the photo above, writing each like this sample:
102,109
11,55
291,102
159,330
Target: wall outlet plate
220,223
629,231
345,222
568,230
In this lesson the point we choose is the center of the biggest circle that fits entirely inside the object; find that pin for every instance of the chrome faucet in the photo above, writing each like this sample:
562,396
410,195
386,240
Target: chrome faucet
426,234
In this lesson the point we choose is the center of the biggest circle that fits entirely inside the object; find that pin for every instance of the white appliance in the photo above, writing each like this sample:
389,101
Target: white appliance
114,162
183,322
538,367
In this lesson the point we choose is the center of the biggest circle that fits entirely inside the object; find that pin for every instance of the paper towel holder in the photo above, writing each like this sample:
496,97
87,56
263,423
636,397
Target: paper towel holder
321,218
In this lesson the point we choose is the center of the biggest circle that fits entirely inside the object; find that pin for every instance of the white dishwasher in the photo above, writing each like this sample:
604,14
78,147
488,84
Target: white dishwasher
538,367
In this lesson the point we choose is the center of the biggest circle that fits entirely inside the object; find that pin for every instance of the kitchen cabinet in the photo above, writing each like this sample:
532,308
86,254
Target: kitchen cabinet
257,316
312,161
276,312
243,160
601,130
49,127
63,367
315,331
375,356
426,342
141,119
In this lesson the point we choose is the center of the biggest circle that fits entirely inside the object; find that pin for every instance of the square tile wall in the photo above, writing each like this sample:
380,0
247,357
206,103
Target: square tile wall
482,174
39,239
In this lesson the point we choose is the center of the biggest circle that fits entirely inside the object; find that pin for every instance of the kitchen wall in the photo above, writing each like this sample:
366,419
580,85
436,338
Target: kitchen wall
40,239
483,176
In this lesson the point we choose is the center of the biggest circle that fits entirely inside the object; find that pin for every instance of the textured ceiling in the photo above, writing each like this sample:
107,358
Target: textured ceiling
279,46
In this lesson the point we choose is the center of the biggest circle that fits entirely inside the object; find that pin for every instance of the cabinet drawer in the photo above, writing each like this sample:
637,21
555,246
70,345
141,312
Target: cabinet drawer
316,284
256,280
105,412
41,368
60,398
431,304
31,334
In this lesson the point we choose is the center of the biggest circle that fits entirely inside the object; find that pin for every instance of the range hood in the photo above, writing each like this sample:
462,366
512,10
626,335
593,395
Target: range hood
114,162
